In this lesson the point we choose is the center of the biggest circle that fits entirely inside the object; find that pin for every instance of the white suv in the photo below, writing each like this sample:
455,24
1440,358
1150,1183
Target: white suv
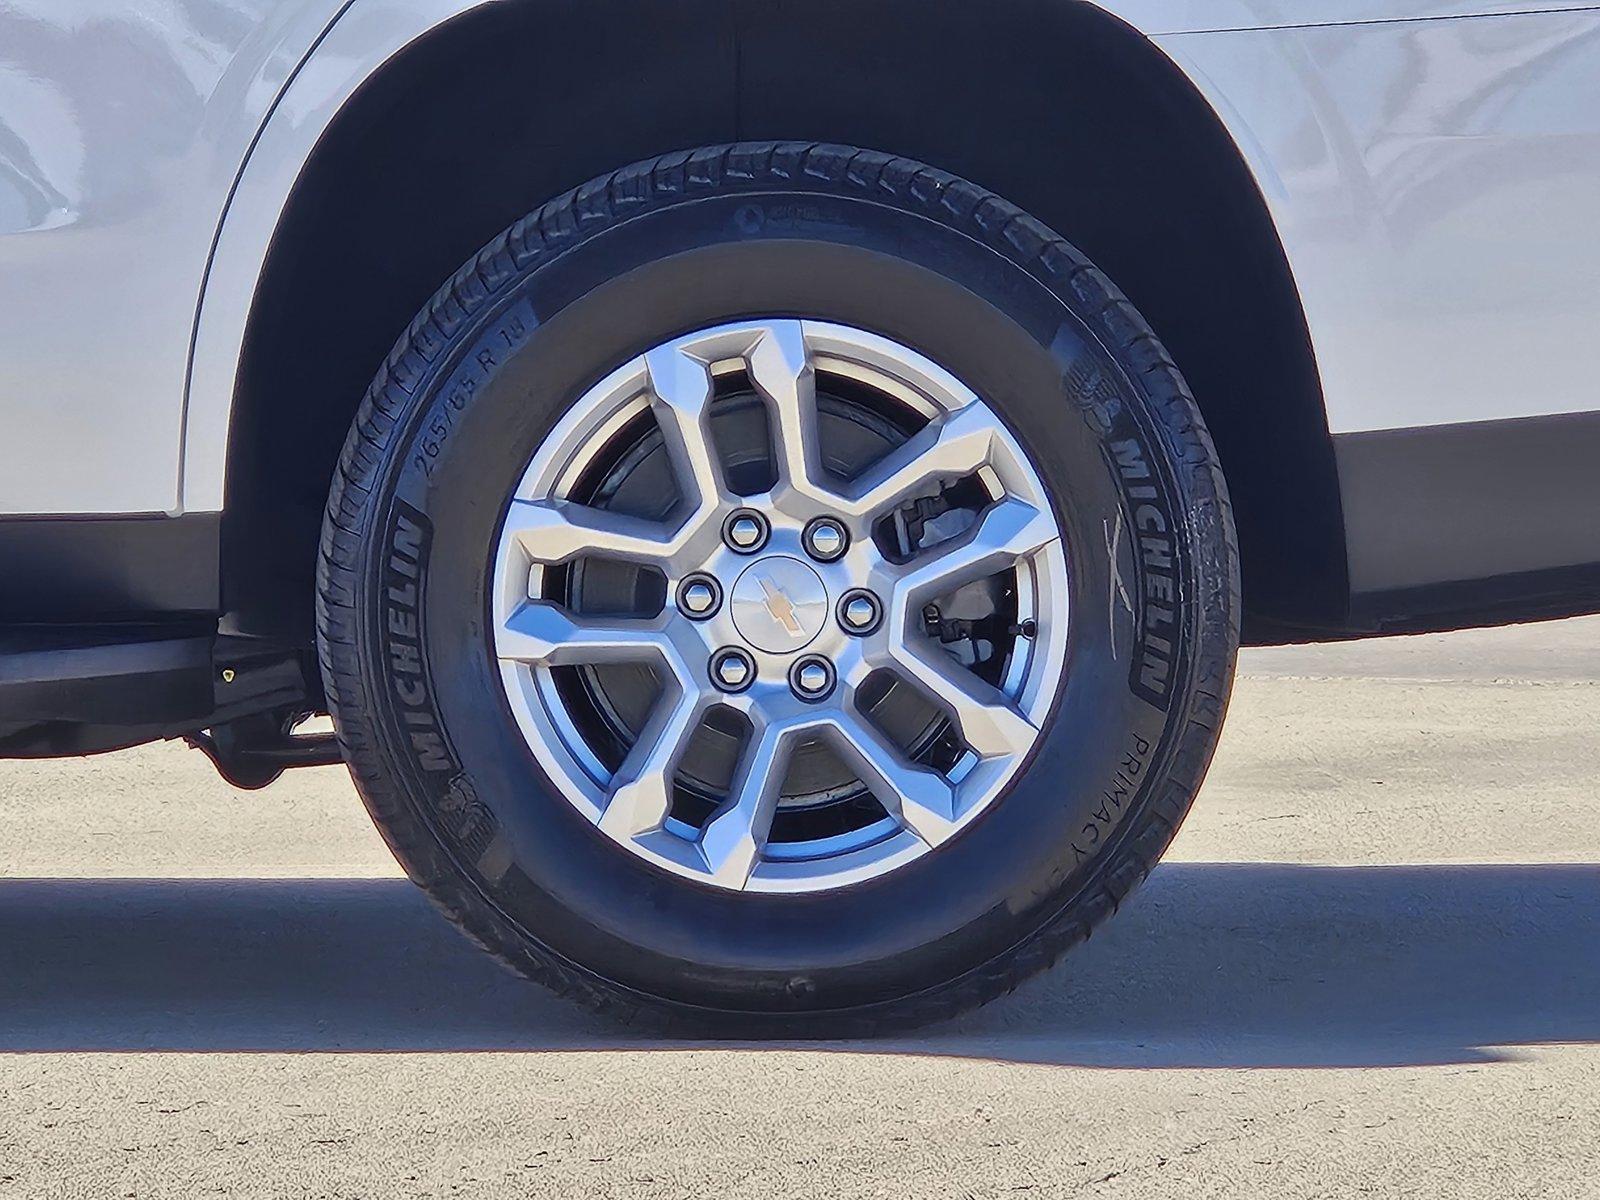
791,574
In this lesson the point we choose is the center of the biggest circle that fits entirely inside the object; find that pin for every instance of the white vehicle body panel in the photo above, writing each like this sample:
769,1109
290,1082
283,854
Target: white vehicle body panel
122,129
1155,17
1433,180
1435,185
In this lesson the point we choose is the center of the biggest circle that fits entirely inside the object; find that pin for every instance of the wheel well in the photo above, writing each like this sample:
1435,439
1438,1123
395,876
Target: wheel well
1051,103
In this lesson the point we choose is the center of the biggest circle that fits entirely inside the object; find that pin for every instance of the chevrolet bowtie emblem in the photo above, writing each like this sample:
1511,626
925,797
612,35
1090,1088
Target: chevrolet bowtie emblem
780,607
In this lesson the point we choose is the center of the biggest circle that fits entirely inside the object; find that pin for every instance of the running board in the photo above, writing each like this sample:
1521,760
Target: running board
142,676
70,690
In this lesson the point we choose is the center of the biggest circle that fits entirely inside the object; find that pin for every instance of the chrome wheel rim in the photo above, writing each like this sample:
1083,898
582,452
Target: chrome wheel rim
765,578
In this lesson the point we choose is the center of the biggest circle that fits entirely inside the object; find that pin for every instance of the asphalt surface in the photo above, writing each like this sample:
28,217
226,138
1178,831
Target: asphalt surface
1371,966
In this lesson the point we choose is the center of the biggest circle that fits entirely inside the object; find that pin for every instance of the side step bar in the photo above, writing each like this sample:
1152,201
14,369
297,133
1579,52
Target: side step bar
71,690
64,690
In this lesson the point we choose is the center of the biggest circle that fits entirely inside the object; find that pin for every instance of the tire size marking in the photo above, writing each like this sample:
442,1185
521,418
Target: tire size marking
1114,798
406,544
491,349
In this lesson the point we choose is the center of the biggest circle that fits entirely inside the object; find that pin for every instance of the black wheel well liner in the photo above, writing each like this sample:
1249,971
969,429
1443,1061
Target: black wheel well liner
1053,104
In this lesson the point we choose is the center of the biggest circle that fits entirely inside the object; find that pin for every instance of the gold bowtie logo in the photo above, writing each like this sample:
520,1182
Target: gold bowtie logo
780,608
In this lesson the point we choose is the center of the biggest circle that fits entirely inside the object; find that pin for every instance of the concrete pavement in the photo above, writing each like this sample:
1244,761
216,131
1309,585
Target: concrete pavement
1371,965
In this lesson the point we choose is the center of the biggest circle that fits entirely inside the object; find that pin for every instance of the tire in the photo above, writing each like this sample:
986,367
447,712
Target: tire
407,625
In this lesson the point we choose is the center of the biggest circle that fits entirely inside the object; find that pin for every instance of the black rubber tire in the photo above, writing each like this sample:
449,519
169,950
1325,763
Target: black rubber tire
677,243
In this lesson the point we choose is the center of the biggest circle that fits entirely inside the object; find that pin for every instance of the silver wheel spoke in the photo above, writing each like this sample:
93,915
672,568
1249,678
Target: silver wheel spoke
948,447
547,634
919,798
556,531
734,838
1007,530
780,369
681,389
989,724
641,788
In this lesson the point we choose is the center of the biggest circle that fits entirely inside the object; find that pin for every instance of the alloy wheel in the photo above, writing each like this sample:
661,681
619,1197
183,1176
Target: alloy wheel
905,625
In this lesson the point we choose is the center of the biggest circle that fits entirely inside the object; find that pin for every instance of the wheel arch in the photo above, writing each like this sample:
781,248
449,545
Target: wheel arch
380,172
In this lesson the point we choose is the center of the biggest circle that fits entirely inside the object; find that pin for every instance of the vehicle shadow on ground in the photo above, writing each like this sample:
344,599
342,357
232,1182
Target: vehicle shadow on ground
1211,965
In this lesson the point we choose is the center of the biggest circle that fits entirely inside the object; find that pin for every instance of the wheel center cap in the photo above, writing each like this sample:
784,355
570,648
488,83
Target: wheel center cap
779,604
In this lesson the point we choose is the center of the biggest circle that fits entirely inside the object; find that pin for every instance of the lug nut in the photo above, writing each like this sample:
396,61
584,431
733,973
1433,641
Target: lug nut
745,531
859,612
811,677
825,539
732,669
699,597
